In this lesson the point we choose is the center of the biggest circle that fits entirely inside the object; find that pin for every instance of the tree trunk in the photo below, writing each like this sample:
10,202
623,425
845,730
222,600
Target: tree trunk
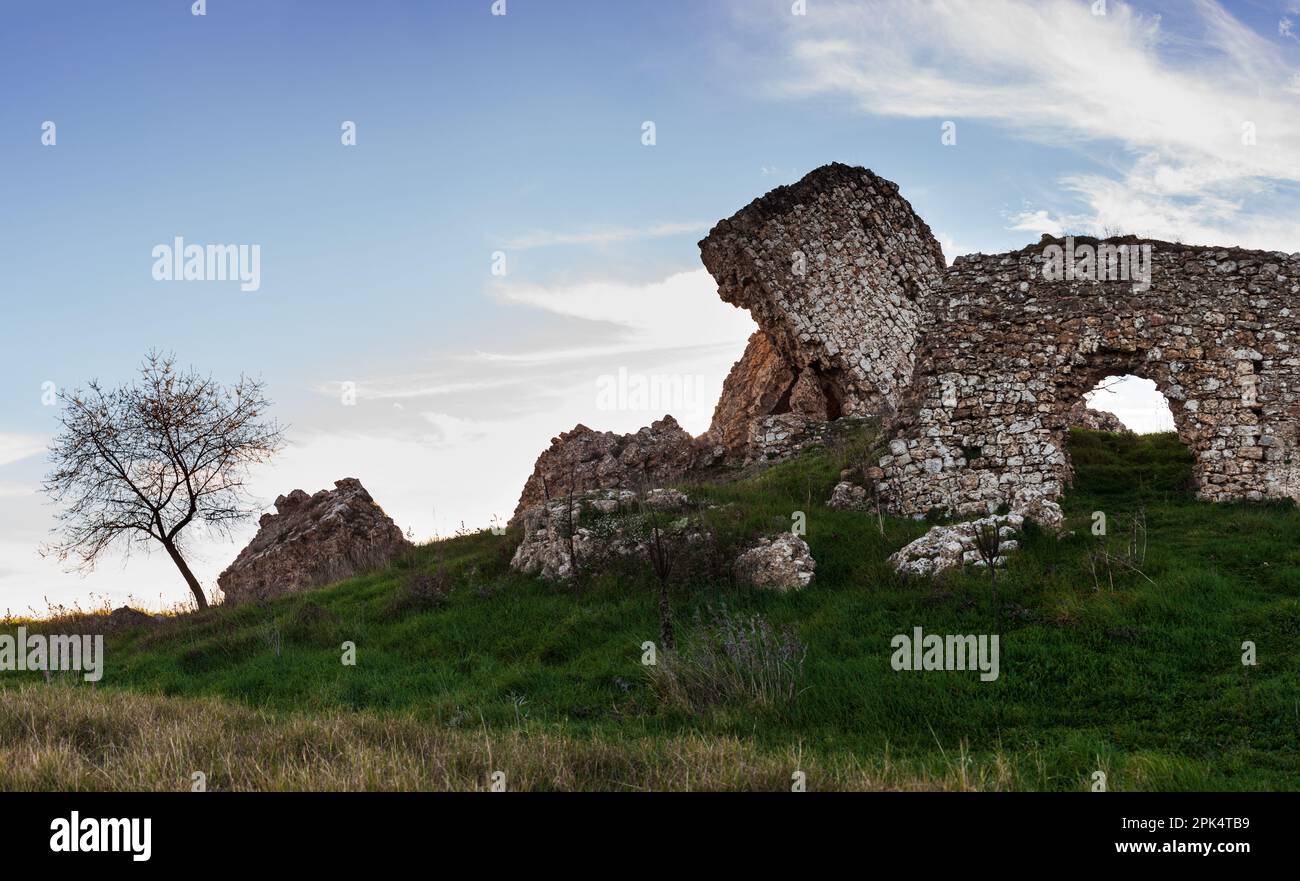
193,582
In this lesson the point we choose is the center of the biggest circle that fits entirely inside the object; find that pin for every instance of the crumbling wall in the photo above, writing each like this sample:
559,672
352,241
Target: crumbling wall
838,271
583,460
980,368
759,384
311,541
1083,416
1010,353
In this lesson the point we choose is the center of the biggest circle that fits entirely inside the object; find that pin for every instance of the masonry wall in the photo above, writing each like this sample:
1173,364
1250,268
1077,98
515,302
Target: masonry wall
837,270
1009,353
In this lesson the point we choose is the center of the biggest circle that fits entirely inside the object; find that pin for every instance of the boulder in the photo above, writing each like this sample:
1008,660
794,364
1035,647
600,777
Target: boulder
312,541
848,496
783,563
954,546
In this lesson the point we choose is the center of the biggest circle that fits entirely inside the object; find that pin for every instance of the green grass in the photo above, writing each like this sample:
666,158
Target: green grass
1137,674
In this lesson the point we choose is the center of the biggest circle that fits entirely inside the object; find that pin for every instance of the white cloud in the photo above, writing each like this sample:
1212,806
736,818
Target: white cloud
682,310
675,326
1137,403
1176,108
16,447
1037,222
552,238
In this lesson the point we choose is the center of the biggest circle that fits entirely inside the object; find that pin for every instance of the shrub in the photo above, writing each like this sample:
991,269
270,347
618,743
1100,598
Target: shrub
313,624
725,658
420,591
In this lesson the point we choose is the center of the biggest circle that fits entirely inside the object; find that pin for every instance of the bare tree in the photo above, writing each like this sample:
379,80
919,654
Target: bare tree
138,464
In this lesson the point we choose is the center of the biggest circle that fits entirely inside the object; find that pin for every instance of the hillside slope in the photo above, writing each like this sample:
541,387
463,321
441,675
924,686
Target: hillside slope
1133,669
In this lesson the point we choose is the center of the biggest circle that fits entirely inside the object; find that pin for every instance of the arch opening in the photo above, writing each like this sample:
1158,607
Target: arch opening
1136,402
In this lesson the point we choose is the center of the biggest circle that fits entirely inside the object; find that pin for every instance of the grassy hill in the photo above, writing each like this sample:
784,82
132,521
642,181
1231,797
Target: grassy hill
463,667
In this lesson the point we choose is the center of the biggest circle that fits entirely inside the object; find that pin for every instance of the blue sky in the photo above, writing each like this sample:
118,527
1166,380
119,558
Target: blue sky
522,133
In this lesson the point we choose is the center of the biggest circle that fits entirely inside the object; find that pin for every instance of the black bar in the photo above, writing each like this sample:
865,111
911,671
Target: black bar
332,831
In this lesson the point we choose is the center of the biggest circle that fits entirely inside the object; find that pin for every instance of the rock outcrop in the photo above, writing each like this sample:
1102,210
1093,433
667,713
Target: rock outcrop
957,545
583,460
312,541
783,564
1083,416
588,531
759,384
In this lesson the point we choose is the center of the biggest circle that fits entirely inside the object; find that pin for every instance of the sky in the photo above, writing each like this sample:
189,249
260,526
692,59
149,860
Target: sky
504,240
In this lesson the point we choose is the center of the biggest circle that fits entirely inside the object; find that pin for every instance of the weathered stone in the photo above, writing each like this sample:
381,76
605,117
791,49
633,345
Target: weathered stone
312,541
1083,416
953,546
783,563
757,384
838,271
848,496
665,499
1010,354
592,529
583,460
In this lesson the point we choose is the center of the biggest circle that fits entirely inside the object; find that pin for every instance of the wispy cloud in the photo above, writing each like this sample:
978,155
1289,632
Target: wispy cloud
683,309
1201,129
16,447
676,325
552,238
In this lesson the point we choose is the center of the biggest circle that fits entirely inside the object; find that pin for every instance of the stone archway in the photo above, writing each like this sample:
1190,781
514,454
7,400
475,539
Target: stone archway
1124,404
1075,386
1011,349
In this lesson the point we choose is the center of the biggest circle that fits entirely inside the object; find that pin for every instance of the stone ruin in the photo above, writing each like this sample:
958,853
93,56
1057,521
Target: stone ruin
1008,353
837,271
977,372
1083,416
583,460
312,541
587,531
979,369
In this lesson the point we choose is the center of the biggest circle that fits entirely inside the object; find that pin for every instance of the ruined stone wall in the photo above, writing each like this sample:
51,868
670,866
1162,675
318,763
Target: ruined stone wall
980,369
757,385
837,270
583,460
311,541
1009,355
1083,416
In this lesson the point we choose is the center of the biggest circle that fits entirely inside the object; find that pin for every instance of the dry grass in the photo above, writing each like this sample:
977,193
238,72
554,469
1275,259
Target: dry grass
72,738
